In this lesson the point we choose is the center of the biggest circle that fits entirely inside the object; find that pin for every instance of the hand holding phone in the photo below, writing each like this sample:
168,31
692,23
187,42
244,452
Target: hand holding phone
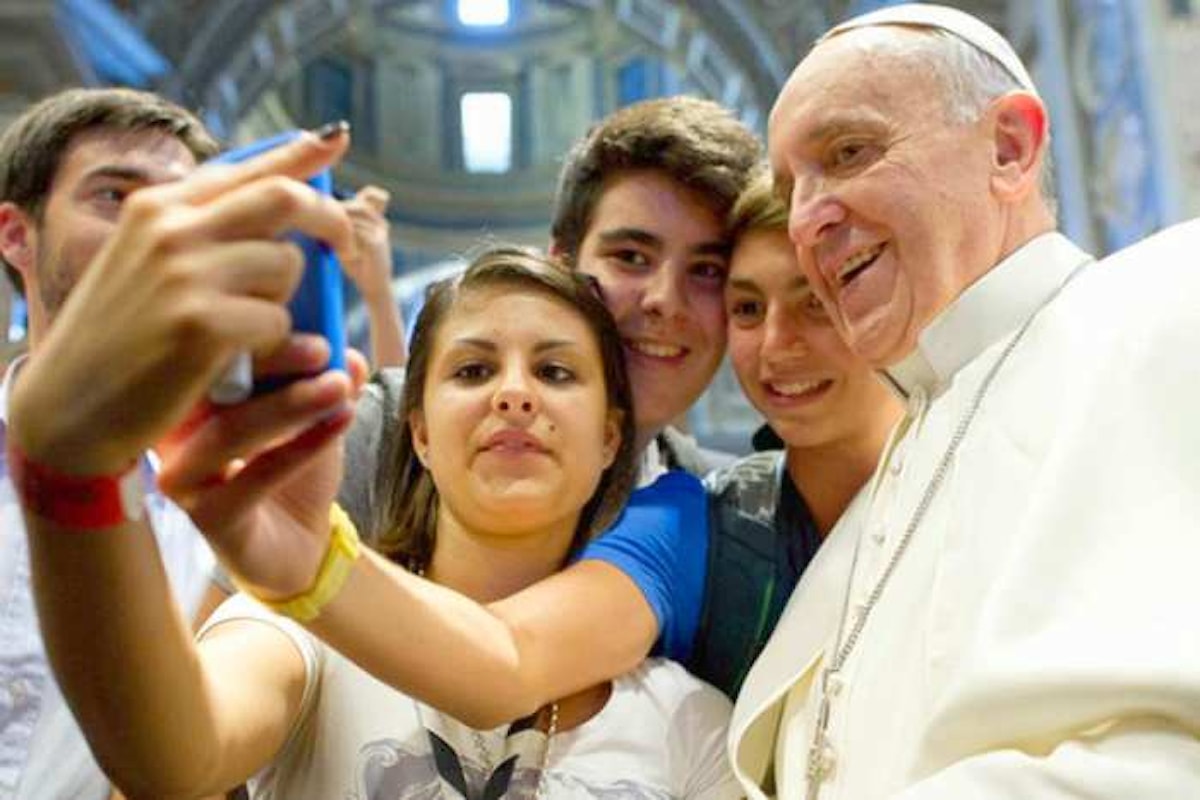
316,307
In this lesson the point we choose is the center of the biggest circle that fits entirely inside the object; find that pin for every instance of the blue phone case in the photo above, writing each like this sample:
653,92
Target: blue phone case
316,307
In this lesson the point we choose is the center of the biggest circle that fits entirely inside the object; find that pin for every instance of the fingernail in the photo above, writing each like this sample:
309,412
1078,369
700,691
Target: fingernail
337,416
331,130
311,346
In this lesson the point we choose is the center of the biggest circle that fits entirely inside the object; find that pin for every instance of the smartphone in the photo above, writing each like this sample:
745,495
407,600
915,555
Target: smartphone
316,307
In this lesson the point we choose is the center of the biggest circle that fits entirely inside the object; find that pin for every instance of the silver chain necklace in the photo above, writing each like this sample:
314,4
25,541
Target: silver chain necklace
489,764
821,759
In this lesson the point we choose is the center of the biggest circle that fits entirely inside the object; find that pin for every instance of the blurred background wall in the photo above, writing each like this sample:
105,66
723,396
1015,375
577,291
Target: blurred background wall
462,109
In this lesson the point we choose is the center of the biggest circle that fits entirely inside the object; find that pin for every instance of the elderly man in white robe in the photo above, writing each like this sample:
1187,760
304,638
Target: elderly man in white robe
1008,609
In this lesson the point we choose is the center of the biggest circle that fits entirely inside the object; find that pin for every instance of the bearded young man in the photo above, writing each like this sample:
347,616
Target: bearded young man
66,166
145,277
1004,610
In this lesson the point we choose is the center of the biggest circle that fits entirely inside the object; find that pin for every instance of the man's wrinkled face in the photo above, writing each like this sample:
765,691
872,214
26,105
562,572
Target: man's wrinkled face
890,211
99,170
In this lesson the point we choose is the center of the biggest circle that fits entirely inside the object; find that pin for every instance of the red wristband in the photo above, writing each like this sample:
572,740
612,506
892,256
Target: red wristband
76,501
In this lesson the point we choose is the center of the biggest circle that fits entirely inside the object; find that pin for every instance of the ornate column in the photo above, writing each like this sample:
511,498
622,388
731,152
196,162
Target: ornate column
1132,159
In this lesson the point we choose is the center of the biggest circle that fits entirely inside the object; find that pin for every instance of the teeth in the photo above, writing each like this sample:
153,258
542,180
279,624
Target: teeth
657,350
793,389
857,260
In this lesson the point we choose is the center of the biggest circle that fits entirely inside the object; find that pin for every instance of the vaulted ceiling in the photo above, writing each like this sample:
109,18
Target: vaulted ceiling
399,69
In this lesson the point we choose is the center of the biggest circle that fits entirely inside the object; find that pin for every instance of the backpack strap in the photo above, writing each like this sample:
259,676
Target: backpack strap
742,598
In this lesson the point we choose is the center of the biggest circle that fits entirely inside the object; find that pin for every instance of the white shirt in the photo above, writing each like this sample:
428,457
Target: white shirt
652,463
43,755
1036,638
661,735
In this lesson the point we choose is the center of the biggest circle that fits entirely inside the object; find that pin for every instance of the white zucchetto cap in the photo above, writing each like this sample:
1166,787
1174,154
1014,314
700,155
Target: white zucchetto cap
971,30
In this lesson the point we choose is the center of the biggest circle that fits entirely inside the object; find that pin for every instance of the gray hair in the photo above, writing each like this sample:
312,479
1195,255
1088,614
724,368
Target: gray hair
972,79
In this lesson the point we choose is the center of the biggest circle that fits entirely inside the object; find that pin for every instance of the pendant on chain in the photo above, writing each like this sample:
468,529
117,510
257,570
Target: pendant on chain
821,757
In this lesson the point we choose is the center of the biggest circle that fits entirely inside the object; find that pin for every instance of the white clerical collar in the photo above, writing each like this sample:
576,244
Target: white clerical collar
993,306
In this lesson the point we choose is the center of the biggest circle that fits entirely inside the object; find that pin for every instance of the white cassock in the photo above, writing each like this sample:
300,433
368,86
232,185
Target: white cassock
1041,636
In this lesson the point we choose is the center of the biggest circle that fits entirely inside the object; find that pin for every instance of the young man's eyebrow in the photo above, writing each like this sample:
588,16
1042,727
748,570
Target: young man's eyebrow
743,284
614,235
798,283
117,172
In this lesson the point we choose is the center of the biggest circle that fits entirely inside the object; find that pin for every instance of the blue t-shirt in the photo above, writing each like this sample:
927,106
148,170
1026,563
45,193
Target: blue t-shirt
661,542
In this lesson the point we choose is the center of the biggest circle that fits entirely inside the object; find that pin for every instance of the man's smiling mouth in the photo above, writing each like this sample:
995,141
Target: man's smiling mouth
655,349
799,388
857,264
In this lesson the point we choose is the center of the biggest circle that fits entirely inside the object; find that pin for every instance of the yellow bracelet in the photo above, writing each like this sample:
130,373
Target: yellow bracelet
344,549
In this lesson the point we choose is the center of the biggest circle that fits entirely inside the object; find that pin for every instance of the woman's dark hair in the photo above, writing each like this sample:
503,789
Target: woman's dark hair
408,523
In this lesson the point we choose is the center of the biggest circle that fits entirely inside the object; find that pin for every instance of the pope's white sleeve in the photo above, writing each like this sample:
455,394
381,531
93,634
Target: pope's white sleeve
1080,675
1128,760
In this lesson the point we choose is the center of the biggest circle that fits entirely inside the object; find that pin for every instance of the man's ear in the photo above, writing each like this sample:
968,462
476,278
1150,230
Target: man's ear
420,437
556,250
563,255
1020,134
18,239
612,436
